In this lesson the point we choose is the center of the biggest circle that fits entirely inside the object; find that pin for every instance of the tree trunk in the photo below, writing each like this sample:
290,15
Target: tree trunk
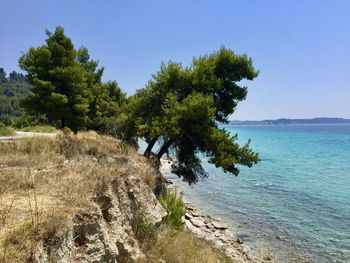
63,124
148,150
164,148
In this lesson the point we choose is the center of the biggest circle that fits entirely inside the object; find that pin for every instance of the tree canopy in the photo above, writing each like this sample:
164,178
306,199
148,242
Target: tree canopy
12,89
181,107
67,84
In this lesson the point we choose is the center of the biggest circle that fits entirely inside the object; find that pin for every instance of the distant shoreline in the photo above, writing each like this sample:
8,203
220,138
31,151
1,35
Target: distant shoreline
284,121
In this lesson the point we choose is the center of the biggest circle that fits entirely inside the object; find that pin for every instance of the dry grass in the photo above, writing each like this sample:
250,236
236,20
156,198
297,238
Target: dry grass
182,246
44,181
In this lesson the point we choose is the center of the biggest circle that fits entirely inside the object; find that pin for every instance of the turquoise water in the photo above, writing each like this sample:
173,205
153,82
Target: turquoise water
295,204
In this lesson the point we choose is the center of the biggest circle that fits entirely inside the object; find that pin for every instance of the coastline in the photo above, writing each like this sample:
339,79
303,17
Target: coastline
214,230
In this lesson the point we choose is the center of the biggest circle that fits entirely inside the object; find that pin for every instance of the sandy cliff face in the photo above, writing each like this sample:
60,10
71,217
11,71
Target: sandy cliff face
106,234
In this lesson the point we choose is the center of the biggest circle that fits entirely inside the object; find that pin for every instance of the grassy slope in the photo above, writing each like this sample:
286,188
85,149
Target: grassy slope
44,181
6,131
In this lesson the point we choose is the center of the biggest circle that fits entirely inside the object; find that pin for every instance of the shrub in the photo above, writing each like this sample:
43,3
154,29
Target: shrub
175,208
145,232
6,131
69,144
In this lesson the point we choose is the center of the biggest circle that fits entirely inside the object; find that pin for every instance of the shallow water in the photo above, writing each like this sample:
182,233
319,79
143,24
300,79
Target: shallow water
295,204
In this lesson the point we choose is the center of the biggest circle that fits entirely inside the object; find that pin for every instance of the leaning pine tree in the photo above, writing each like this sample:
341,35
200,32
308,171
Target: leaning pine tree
180,108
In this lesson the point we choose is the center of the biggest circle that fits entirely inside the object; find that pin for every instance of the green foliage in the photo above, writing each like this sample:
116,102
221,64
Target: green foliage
145,231
184,107
12,90
61,83
175,208
5,130
106,107
68,88
180,107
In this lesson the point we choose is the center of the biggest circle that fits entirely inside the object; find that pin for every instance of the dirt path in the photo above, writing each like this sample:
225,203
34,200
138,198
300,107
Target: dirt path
21,135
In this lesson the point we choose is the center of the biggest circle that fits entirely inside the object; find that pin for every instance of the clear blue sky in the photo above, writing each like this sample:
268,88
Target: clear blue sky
302,48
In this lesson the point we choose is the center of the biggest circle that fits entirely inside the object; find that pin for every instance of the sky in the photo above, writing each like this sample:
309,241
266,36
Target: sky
301,48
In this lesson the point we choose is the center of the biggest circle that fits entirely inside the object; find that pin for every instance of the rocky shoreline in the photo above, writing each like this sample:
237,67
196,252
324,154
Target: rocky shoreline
215,231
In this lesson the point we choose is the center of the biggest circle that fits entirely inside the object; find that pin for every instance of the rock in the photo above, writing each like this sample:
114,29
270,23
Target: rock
194,214
217,234
106,233
196,230
197,222
219,225
210,226
224,239
267,258
239,241
168,181
190,208
188,216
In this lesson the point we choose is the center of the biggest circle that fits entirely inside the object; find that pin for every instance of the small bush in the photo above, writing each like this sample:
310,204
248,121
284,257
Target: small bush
145,232
5,130
69,144
175,208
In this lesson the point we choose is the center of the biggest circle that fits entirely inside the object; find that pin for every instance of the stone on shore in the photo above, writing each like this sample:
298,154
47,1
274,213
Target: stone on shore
219,225
194,214
191,208
239,241
197,222
188,216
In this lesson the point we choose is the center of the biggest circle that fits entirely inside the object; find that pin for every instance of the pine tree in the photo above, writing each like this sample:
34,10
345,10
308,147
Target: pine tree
61,83
180,108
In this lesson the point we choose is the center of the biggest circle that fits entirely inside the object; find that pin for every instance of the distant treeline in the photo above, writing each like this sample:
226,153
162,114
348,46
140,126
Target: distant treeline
284,121
13,88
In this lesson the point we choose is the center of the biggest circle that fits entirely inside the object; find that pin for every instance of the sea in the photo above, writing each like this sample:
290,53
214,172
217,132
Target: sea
294,205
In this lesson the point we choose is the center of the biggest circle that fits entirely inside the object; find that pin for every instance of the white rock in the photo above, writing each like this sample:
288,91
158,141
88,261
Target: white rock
188,216
219,225
197,222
